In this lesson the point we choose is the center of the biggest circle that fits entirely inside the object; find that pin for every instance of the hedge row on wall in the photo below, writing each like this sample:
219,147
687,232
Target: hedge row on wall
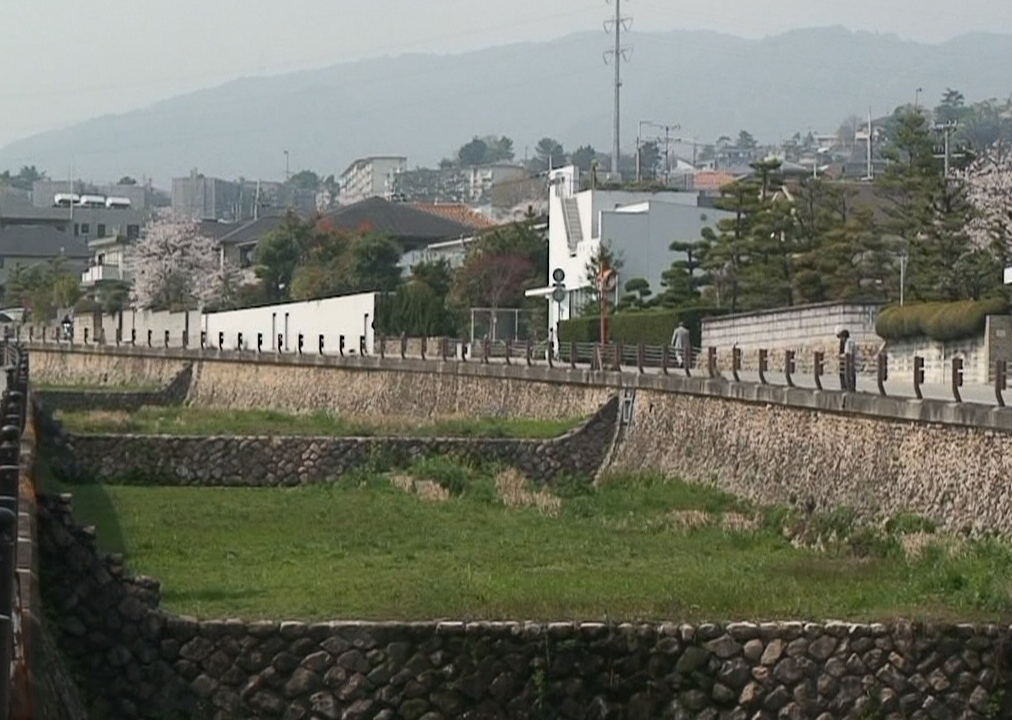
939,321
651,327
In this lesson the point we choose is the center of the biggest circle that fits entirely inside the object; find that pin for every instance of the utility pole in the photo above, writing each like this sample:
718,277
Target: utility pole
617,56
947,130
288,174
871,169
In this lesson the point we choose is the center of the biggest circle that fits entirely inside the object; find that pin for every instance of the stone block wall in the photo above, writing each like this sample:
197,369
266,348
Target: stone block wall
287,461
78,400
776,455
137,661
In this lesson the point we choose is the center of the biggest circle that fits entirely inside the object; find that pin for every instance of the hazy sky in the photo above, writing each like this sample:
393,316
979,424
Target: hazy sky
67,61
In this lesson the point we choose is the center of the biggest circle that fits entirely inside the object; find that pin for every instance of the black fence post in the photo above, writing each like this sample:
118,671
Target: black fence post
764,360
882,372
509,352
340,345
819,368
383,347
302,340
425,346
1000,381
957,378
361,346
150,333
203,339
404,345
186,339
572,354
918,376
790,367
711,362
86,336
665,358
260,343
320,344
221,340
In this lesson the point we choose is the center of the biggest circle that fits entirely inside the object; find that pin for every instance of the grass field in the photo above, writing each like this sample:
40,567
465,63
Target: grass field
636,549
180,420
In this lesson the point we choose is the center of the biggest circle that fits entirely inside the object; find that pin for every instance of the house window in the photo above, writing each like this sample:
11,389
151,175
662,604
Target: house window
85,228
246,256
133,232
101,230
101,259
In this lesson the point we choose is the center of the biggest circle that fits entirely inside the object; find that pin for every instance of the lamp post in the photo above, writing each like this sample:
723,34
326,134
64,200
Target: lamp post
917,99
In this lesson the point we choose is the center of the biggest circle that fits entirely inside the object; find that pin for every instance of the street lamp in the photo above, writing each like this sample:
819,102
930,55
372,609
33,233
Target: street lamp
917,99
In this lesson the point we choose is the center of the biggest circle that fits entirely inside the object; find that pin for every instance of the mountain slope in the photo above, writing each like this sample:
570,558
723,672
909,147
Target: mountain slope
424,106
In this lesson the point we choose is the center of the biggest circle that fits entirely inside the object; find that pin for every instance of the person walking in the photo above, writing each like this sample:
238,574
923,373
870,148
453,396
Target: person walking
681,339
848,357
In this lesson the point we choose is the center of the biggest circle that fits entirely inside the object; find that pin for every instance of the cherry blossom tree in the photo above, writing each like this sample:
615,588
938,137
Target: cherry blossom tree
175,267
989,190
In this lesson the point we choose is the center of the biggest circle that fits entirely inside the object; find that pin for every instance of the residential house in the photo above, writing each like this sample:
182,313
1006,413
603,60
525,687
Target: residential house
23,247
413,228
637,227
371,177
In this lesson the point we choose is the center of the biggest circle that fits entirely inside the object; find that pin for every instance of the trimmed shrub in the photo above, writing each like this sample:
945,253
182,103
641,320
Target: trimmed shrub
415,310
938,321
651,327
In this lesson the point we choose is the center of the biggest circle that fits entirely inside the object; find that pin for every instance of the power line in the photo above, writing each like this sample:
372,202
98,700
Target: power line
620,53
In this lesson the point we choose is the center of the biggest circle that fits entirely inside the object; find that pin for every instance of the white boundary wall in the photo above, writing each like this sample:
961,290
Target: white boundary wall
792,328
351,316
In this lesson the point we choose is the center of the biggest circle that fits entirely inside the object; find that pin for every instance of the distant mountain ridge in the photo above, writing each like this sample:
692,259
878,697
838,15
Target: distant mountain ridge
425,106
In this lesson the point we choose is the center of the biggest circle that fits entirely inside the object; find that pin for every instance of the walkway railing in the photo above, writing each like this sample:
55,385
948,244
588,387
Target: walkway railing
13,407
757,366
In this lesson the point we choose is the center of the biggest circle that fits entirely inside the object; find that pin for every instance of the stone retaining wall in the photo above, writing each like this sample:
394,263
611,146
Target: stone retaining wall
78,400
776,455
287,461
136,661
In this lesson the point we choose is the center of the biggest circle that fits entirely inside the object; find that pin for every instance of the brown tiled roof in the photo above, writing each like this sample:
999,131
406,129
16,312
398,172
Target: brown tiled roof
457,212
711,180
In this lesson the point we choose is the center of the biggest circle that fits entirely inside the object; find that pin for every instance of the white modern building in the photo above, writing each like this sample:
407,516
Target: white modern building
638,227
371,177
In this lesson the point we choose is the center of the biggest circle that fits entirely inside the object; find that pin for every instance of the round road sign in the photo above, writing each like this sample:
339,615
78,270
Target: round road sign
558,275
559,294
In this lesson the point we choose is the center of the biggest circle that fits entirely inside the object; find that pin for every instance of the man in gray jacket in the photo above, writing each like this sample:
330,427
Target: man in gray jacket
682,341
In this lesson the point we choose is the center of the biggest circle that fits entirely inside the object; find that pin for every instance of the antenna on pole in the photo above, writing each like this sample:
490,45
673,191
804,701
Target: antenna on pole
616,56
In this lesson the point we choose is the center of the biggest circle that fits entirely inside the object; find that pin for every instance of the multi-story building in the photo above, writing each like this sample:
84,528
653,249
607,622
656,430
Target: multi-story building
371,177
637,227
45,192
206,198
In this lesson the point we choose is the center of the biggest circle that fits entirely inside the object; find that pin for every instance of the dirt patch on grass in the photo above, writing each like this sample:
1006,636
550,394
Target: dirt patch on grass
425,490
513,490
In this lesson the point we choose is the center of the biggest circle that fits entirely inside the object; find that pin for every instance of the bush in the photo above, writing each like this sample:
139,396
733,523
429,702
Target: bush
939,321
651,327
415,310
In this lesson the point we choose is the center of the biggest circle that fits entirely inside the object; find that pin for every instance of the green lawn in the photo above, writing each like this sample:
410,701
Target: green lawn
362,549
180,420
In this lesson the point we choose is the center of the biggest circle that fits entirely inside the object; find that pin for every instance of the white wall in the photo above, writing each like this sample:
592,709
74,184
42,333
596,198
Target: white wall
351,316
792,328
144,320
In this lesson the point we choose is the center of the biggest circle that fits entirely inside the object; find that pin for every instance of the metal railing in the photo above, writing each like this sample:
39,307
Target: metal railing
823,373
14,408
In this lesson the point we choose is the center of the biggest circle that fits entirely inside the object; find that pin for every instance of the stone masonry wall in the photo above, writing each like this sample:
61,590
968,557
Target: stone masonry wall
77,400
137,661
778,455
277,461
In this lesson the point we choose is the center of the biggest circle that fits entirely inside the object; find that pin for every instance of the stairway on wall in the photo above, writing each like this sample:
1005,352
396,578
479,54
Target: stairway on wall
574,229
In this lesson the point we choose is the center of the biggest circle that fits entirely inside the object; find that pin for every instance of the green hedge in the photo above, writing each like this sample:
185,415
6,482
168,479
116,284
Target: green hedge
651,327
939,321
